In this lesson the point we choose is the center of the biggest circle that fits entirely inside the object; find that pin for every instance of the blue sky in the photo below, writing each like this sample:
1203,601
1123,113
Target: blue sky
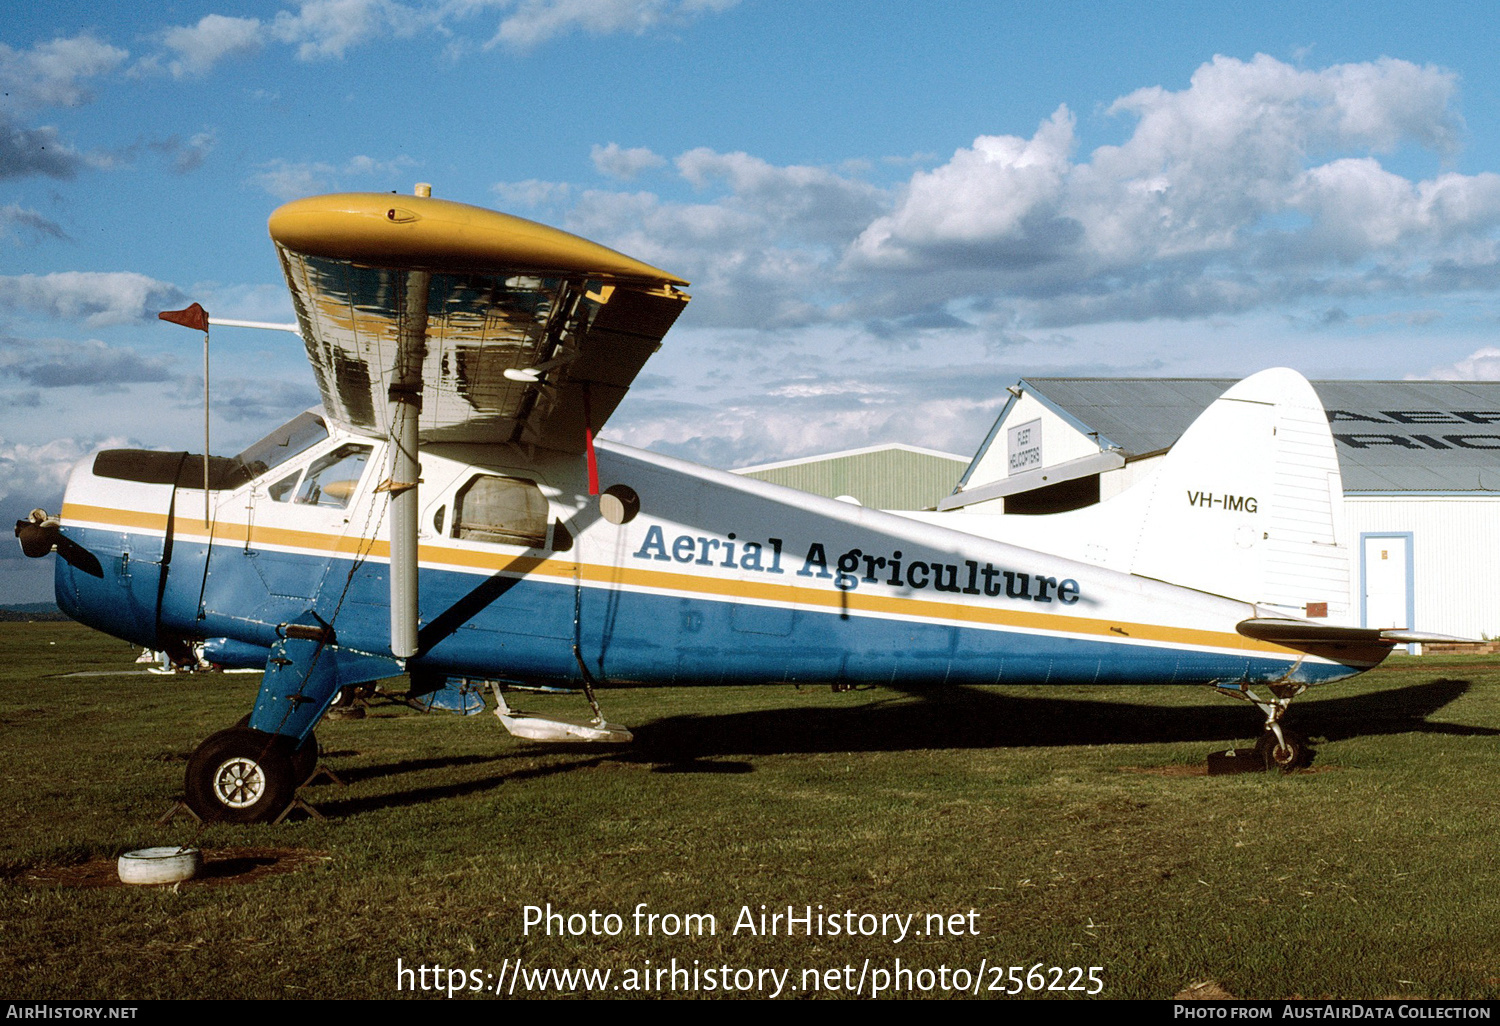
888,211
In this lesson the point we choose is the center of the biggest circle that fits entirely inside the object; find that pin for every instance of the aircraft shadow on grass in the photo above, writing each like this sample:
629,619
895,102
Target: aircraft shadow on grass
339,808
944,718
976,718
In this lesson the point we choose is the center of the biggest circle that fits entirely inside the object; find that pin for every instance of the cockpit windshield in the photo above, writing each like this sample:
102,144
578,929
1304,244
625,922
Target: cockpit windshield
297,435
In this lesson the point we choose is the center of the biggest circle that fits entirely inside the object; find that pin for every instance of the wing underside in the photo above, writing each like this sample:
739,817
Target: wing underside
382,321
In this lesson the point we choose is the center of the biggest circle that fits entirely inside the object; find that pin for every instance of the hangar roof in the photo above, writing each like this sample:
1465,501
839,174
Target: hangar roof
1391,436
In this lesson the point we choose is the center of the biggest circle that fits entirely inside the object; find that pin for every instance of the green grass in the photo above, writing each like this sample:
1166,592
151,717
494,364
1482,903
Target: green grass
1376,877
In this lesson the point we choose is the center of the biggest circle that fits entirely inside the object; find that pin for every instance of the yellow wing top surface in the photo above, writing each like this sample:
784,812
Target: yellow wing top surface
418,232
410,292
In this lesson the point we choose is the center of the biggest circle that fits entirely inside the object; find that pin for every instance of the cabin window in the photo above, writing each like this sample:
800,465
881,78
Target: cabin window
331,480
282,490
296,436
438,518
509,510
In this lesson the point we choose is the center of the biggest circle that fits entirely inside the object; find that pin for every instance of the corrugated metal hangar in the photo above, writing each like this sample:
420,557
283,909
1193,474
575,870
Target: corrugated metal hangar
881,476
1420,462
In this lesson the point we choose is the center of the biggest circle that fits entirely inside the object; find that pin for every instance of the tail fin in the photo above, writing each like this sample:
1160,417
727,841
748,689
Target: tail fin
1248,503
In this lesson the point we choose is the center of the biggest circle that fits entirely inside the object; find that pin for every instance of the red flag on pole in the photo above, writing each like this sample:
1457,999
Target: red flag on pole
197,317
193,317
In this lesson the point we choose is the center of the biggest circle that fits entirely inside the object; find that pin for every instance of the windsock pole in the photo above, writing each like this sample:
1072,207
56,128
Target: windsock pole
197,317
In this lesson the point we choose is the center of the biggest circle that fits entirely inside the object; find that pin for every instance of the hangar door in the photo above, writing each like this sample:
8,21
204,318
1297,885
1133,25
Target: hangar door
1387,577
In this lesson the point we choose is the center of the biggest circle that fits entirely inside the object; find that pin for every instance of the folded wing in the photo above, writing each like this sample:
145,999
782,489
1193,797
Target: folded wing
408,293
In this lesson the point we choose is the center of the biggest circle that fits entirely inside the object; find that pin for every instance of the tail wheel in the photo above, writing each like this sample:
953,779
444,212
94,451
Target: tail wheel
241,775
1289,753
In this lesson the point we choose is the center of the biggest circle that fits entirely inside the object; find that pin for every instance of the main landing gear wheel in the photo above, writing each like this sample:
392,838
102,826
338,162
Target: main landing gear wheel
241,775
1286,753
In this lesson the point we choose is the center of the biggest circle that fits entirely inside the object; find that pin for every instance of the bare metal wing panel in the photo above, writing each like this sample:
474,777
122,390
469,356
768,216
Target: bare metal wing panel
379,321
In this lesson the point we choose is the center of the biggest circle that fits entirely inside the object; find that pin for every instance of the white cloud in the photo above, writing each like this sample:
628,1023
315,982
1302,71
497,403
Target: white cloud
327,28
51,74
44,467
199,47
536,21
66,364
15,218
616,162
811,203
186,156
255,403
992,193
532,193
287,180
96,298
245,302
1217,201
36,151
762,248
194,152
1258,184
1481,365
33,474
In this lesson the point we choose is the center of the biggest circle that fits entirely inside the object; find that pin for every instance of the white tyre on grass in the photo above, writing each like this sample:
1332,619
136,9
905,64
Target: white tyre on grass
159,865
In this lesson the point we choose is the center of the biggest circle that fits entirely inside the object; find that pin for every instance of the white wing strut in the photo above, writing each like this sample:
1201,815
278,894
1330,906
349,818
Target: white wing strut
405,395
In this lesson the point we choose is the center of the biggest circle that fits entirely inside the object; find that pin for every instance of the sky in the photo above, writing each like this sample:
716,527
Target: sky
889,212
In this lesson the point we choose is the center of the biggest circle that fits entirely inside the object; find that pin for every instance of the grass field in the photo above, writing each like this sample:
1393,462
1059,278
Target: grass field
1068,819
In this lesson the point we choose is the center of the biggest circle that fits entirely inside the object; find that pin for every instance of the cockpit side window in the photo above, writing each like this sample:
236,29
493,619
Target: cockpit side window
295,436
281,491
508,510
331,480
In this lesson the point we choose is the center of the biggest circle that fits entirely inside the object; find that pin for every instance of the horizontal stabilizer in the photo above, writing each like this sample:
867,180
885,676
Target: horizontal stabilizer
1292,632
1401,637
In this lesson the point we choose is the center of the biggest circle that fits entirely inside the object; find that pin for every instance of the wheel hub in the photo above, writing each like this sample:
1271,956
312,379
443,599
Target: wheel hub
239,782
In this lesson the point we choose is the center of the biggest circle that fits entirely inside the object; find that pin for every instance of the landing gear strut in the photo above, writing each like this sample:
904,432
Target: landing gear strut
1279,748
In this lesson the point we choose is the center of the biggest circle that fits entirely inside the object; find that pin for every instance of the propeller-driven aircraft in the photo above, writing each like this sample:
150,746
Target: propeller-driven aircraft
448,512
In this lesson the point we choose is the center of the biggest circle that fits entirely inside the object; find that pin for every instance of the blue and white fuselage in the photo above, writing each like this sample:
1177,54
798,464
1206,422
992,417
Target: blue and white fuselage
718,579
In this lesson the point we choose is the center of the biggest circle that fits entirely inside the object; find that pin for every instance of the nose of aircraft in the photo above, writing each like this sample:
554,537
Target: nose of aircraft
38,534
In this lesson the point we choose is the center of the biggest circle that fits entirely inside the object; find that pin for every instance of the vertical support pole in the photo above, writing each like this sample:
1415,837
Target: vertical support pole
194,316
405,396
206,525
403,491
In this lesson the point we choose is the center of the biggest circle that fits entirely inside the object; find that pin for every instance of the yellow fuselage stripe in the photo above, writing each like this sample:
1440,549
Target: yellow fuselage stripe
325,544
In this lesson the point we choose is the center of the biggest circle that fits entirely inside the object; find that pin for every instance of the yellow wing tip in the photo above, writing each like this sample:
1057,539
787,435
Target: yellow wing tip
389,229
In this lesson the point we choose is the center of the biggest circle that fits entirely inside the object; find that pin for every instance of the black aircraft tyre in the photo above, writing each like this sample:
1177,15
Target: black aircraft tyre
305,760
241,775
1292,755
